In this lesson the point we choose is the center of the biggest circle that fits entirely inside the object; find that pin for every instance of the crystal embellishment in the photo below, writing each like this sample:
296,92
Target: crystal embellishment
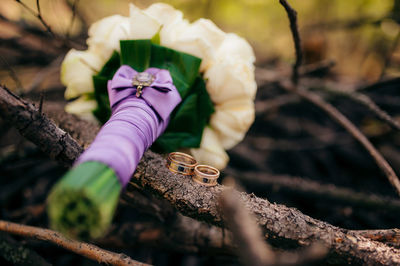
141,80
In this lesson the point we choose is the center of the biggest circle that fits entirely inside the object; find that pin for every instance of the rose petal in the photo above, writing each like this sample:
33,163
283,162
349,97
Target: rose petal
77,70
142,25
230,79
210,152
105,34
232,120
83,107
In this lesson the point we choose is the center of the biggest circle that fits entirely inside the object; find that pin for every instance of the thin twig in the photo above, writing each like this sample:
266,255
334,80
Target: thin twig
320,68
37,14
65,42
45,72
13,75
87,250
311,189
292,14
367,102
393,82
388,57
336,115
41,102
71,24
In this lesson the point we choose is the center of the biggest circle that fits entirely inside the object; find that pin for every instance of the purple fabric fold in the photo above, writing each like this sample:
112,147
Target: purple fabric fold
135,122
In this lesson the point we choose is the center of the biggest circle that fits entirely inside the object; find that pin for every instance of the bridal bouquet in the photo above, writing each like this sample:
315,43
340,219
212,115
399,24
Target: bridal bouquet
157,79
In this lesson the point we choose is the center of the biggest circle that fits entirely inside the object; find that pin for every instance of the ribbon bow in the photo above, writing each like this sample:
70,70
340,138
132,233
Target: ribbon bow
161,95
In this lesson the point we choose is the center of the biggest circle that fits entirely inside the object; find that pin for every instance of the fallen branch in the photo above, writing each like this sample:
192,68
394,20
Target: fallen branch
330,109
312,189
336,115
252,249
367,102
87,250
38,128
281,225
388,236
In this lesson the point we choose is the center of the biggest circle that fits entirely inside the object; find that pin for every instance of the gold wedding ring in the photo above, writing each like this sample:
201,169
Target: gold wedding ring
206,175
181,163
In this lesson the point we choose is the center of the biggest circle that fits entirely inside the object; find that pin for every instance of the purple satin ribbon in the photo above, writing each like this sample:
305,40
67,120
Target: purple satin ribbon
135,123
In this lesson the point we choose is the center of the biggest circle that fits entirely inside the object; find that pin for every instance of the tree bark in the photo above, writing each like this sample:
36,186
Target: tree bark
281,225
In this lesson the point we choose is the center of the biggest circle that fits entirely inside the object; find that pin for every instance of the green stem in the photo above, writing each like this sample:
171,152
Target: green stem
83,202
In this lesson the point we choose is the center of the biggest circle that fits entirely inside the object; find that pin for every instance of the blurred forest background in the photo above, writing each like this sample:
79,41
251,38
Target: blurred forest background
294,154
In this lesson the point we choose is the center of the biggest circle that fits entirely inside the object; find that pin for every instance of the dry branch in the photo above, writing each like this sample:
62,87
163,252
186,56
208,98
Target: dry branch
282,225
387,236
330,109
336,115
367,102
84,249
37,14
292,14
38,128
252,249
313,189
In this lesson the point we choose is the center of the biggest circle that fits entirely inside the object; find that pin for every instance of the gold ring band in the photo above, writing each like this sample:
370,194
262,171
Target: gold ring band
181,163
206,175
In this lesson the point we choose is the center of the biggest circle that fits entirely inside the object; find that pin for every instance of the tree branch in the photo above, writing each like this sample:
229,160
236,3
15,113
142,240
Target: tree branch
387,236
252,249
312,189
84,249
350,127
281,225
367,102
38,128
292,14
38,15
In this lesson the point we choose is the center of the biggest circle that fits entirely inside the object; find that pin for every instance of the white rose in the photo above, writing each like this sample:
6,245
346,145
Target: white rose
210,152
77,70
165,15
236,47
201,38
171,20
229,79
105,34
142,25
83,107
231,121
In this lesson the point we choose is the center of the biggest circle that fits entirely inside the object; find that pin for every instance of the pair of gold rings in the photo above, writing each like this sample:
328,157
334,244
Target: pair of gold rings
184,164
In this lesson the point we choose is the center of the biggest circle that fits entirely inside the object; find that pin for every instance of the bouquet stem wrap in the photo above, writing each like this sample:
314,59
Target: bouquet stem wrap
136,122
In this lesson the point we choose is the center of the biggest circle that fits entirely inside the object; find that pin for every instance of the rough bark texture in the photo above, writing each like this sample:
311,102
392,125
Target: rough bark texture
252,248
36,127
281,225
